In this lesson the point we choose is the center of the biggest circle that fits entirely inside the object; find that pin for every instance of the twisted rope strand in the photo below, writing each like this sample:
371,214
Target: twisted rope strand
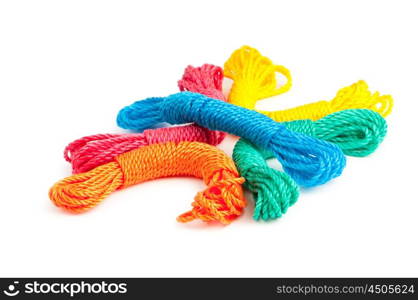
254,79
358,132
223,200
273,191
205,80
355,96
307,160
92,151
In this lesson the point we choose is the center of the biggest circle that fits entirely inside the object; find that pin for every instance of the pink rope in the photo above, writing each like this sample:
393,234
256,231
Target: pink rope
206,80
91,151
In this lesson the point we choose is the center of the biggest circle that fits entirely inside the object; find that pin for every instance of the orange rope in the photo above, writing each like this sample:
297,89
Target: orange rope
223,200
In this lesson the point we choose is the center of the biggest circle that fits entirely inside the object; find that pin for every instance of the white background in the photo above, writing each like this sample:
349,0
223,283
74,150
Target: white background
67,67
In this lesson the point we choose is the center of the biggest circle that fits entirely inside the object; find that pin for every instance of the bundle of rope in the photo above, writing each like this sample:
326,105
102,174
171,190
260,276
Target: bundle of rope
206,80
222,200
307,160
197,80
355,96
273,191
254,78
358,132
92,151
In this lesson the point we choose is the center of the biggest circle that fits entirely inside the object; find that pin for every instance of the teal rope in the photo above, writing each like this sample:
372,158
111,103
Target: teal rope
274,191
358,132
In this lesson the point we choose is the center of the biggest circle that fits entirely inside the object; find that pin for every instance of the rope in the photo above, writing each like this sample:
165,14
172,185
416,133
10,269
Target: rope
222,200
206,80
255,78
358,132
355,96
273,191
307,160
92,151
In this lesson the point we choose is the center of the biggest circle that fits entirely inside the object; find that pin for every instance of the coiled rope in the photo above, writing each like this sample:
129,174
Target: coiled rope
206,80
273,191
358,132
307,160
92,151
222,200
254,78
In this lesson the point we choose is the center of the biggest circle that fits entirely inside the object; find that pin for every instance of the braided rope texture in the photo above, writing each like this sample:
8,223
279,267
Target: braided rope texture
92,151
222,201
273,191
255,78
355,96
358,132
307,160
206,80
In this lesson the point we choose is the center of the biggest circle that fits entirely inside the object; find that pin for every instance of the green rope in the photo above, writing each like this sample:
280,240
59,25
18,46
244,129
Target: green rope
358,132
273,191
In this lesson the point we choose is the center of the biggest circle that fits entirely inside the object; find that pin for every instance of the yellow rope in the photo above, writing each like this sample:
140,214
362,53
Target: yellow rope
255,78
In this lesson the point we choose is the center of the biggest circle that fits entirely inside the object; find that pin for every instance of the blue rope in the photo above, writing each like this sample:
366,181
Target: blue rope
307,160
